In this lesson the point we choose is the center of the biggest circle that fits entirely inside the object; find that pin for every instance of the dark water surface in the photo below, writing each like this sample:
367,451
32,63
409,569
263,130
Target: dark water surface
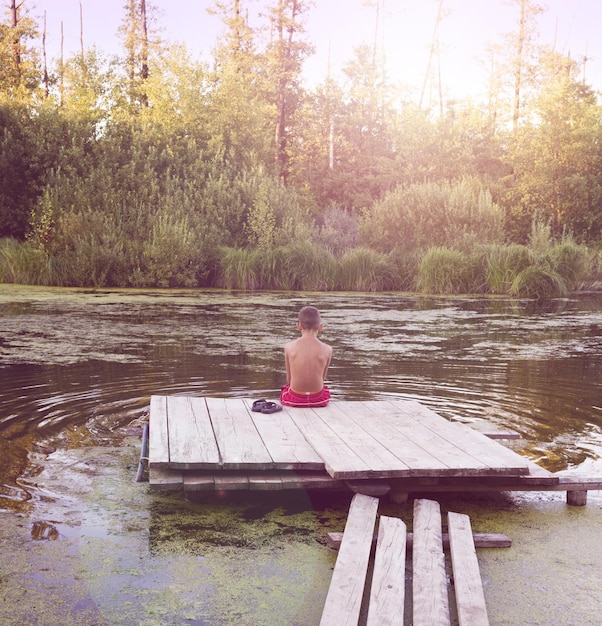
83,544
76,367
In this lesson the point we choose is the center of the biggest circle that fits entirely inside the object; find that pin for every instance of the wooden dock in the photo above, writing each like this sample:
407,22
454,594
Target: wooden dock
373,447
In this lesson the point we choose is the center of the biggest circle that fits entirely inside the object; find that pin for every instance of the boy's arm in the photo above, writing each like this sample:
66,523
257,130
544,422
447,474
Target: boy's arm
287,365
327,364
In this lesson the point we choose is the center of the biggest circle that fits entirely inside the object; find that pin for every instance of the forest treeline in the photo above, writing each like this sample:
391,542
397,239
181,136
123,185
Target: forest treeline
154,169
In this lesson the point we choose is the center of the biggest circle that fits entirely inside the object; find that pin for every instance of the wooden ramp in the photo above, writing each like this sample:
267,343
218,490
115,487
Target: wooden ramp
199,443
383,597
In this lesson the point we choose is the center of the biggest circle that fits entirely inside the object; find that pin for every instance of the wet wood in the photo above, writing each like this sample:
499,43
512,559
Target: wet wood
429,584
387,592
470,599
344,598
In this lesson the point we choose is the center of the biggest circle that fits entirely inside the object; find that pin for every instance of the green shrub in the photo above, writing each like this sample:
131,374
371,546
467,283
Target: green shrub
539,282
238,268
503,264
445,271
310,267
570,261
362,269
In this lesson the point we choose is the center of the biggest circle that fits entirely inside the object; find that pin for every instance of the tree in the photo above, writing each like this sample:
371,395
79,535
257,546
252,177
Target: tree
135,33
19,63
556,157
285,57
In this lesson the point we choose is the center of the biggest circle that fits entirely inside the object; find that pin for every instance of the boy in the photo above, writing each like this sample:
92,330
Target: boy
306,360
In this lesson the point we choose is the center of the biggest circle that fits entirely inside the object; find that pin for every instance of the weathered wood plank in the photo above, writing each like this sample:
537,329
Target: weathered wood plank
429,585
387,593
264,481
481,540
359,437
158,446
164,479
452,459
231,481
239,443
339,459
344,598
470,599
192,443
499,459
285,443
198,481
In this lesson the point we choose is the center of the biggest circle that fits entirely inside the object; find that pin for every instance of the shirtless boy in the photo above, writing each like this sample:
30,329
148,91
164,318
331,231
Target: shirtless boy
307,360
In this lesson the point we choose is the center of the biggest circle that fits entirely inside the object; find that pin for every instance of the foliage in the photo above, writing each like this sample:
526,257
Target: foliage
155,169
446,271
456,214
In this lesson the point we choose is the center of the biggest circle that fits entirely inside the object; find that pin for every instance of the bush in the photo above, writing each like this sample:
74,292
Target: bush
539,282
362,269
504,264
446,271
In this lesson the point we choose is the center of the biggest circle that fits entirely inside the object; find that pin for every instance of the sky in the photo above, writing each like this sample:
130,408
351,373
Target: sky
336,27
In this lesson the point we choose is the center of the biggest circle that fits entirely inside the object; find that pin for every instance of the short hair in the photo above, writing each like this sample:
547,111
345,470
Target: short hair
309,318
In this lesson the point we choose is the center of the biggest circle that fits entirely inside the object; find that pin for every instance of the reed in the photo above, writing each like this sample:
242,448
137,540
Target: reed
362,269
539,282
22,263
310,267
569,260
238,268
503,263
445,271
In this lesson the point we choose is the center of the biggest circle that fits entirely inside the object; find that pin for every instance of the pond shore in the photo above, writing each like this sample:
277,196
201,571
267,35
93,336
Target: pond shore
94,547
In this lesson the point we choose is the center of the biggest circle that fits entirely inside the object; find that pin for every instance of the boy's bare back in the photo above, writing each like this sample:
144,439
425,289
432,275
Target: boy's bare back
307,358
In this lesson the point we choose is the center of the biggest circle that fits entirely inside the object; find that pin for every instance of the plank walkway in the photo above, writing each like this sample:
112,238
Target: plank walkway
203,443
385,602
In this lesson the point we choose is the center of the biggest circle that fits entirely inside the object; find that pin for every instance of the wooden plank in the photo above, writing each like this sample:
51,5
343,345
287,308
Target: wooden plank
192,443
340,461
451,459
344,598
431,604
164,479
199,481
158,447
400,440
287,447
470,599
239,443
231,481
359,437
498,458
387,593
481,540
264,481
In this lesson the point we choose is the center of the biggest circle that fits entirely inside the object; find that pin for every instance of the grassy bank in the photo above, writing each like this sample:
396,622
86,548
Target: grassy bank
551,270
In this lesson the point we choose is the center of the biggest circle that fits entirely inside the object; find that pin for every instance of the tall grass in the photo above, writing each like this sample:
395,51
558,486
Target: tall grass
503,264
24,263
238,268
445,271
310,267
539,282
362,269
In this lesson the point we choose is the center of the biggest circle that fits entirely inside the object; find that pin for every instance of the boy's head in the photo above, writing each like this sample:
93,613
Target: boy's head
309,318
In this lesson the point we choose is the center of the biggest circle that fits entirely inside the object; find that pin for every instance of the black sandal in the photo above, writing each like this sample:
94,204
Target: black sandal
258,405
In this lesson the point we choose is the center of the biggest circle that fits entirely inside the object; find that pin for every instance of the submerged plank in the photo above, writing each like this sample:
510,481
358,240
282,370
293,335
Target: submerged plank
387,593
192,443
470,599
344,598
431,605
239,443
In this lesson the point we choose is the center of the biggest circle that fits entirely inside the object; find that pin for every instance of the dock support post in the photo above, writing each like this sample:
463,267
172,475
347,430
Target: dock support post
399,497
576,498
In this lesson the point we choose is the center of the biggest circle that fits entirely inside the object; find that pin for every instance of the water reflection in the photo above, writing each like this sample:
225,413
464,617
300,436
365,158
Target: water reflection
77,367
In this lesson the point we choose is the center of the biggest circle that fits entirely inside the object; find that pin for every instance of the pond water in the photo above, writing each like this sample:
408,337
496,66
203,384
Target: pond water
77,368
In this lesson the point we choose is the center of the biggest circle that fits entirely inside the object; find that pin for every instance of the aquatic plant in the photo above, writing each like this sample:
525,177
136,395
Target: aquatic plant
444,271
310,267
503,263
238,268
362,269
537,281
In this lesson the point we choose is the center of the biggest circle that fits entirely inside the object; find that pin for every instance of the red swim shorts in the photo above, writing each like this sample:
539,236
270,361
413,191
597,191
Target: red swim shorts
289,397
